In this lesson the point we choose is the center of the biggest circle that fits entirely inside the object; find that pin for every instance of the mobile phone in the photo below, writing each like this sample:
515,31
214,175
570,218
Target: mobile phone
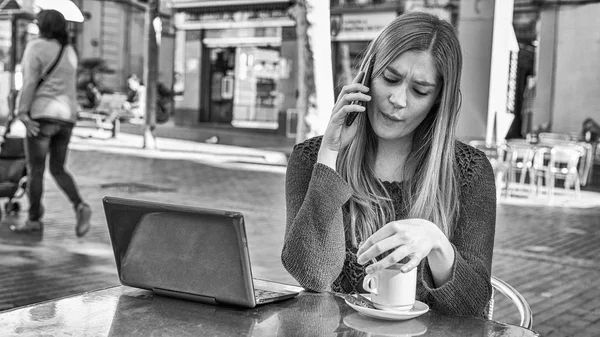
366,80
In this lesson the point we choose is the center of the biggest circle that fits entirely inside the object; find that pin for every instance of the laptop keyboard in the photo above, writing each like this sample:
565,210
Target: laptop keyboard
261,295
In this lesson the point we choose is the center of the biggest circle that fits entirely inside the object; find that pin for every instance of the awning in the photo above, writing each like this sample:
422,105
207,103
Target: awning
68,9
9,5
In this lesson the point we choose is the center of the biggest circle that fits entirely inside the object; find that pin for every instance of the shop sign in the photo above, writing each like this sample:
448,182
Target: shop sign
237,19
364,26
237,16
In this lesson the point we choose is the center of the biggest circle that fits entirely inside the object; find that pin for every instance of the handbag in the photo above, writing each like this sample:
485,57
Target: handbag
14,147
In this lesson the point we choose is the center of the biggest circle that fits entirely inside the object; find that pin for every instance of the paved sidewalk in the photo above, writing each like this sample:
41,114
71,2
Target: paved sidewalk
549,254
264,139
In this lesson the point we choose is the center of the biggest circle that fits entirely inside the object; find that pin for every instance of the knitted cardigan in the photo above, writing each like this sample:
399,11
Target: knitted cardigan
320,257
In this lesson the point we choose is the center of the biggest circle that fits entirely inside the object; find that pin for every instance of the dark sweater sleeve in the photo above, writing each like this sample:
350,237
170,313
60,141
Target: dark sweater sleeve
469,289
314,244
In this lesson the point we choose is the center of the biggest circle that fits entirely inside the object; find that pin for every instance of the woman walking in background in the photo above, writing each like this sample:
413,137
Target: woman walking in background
48,108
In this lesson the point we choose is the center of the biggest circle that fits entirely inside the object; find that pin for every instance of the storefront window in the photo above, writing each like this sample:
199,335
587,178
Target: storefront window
257,98
244,85
222,67
245,68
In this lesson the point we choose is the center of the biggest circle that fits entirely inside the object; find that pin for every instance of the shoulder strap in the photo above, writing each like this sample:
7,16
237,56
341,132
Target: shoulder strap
40,82
51,69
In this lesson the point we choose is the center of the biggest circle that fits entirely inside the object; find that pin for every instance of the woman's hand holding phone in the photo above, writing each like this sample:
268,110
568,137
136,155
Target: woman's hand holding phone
338,135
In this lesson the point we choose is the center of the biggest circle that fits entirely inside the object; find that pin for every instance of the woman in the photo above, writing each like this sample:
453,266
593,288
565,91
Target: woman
49,112
396,180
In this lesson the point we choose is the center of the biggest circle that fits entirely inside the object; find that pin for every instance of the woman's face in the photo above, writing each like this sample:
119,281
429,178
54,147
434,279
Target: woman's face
403,95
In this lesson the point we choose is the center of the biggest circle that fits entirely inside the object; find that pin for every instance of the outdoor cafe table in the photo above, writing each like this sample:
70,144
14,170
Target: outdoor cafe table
126,311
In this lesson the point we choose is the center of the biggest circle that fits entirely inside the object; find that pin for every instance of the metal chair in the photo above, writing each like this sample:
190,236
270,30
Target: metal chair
517,299
520,159
564,160
540,169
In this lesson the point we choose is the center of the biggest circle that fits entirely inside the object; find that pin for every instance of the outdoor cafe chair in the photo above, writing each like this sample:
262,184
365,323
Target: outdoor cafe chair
519,157
564,160
502,287
540,168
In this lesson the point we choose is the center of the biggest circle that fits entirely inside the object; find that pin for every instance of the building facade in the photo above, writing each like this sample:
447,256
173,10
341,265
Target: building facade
114,31
567,67
235,62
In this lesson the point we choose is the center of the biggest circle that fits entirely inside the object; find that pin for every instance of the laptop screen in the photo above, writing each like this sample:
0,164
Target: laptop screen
180,249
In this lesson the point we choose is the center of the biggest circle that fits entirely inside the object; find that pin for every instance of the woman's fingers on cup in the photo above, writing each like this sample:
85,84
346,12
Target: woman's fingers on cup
415,259
391,229
393,258
387,244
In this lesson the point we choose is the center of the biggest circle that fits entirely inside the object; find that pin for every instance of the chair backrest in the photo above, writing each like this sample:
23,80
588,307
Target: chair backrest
490,150
552,142
539,158
553,136
520,152
517,299
568,155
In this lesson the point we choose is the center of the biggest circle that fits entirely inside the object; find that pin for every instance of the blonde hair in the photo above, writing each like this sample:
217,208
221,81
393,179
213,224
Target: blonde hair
432,193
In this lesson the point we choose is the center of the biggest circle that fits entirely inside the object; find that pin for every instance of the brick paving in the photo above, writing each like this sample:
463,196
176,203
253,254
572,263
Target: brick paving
546,253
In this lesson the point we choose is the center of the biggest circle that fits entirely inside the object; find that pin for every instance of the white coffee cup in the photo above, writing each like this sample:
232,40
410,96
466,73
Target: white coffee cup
391,289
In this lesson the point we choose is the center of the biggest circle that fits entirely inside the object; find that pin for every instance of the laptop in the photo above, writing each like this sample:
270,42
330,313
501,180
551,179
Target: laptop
186,252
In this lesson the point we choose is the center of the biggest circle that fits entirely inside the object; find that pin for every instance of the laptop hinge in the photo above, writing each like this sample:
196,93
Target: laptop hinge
185,296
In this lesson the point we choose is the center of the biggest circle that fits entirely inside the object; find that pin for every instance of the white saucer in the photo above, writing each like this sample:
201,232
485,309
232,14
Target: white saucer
418,309
408,328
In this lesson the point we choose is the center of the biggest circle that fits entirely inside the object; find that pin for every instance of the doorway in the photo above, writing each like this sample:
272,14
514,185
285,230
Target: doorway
219,96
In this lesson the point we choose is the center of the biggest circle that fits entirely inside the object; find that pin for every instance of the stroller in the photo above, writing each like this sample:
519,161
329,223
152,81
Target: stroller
13,169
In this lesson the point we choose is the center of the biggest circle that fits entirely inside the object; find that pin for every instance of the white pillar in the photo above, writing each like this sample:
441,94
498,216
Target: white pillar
320,41
475,32
503,42
487,37
546,54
